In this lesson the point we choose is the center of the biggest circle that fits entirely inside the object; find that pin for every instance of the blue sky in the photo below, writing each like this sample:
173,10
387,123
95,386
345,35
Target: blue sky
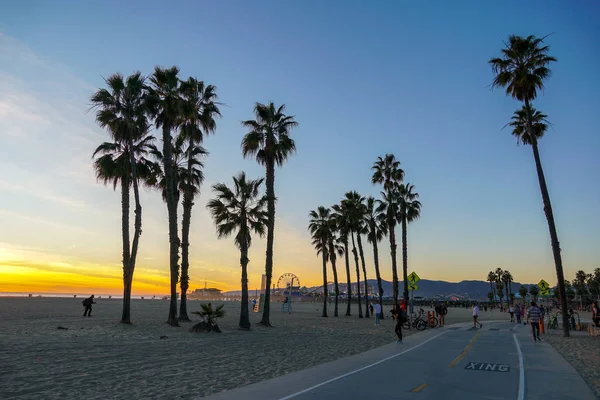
363,79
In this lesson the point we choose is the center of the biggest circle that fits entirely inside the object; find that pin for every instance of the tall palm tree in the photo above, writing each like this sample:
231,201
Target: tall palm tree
240,210
335,249
507,278
167,109
361,229
122,110
491,278
199,111
377,228
319,227
339,215
269,141
410,210
352,204
387,172
522,70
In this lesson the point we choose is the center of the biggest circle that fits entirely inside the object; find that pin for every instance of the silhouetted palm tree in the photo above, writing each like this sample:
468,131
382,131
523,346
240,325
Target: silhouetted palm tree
335,249
377,228
123,110
387,172
410,210
167,109
522,70
199,111
357,220
241,210
491,278
352,211
507,278
339,215
270,142
319,227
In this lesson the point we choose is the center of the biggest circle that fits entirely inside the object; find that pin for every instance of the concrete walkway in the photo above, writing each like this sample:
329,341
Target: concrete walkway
499,361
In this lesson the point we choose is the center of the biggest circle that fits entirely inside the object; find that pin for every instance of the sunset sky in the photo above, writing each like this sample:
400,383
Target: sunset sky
363,79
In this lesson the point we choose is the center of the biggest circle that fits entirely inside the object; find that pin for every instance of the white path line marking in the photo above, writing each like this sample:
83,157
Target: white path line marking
521,395
360,369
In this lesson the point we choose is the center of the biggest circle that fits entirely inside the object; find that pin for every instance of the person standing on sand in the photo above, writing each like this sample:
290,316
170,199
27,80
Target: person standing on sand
87,303
475,316
595,316
442,314
533,317
398,314
377,311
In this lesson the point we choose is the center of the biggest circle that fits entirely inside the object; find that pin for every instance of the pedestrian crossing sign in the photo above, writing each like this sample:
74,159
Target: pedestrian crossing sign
413,278
543,285
412,287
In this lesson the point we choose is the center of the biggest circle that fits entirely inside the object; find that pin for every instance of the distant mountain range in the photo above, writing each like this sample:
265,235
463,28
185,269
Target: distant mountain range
428,288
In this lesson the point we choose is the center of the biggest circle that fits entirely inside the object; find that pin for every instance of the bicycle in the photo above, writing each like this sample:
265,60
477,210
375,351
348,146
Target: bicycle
553,322
419,323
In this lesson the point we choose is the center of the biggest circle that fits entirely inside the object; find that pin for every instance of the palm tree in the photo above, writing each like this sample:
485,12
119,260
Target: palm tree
335,249
522,70
339,215
410,210
580,285
199,111
269,141
500,290
534,291
167,108
491,278
351,204
240,210
361,229
319,227
507,278
387,172
377,228
122,110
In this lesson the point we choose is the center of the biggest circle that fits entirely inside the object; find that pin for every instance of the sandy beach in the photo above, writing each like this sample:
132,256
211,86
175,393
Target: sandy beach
99,358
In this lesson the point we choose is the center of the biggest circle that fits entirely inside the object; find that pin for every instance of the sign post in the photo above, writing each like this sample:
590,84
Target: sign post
413,278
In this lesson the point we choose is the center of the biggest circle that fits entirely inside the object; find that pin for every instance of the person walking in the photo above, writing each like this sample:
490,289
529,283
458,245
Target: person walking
442,314
475,316
533,317
398,314
595,315
511,311
518,313
376,311
87,303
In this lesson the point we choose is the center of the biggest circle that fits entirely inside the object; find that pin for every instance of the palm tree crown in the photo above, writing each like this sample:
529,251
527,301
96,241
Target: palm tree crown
518,123
241,208
269,135
375,220
410,207
523,67
387,171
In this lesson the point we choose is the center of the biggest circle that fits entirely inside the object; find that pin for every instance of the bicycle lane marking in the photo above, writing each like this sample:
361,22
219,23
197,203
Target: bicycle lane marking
465,351
361,369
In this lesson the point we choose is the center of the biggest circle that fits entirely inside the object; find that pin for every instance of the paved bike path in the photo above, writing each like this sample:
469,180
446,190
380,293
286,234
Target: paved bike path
455,362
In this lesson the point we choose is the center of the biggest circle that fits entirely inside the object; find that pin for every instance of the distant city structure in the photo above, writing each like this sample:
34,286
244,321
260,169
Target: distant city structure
206,293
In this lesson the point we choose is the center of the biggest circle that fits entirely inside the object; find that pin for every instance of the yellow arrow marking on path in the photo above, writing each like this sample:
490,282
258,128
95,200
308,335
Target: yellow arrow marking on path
419,388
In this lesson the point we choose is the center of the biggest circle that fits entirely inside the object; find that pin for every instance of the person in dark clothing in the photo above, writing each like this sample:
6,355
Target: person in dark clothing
87,303
533,317
399,315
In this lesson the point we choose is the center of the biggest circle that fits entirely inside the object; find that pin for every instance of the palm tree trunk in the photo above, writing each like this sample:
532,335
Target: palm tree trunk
394,263
172,215
325,294
348,279
332,258
270,231
507,295
551,225
378,274
244,313
126,315
185,247
364,268
360,313
404,259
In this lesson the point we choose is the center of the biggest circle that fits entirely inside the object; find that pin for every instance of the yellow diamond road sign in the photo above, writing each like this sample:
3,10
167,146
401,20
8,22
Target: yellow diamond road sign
544,292
543,285
412,287
413,278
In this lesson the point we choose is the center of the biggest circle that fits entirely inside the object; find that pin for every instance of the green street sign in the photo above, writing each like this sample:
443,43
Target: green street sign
543,285
413,278
412,287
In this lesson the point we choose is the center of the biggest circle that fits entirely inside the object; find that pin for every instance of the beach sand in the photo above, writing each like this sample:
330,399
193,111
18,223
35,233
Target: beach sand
581,351
99,358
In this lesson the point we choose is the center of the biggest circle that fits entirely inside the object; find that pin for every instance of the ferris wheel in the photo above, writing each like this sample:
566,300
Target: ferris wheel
288,281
